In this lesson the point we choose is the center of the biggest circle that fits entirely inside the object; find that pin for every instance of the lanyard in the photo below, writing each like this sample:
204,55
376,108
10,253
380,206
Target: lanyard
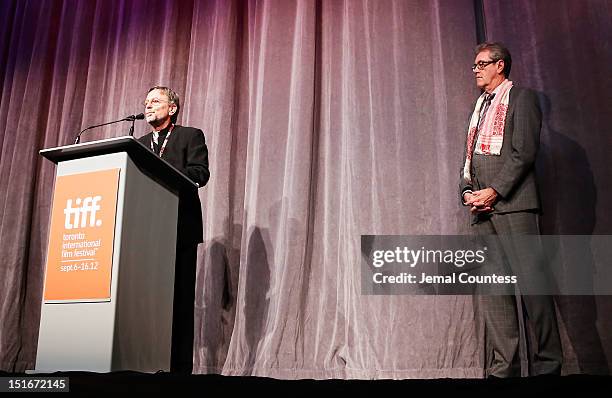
163,147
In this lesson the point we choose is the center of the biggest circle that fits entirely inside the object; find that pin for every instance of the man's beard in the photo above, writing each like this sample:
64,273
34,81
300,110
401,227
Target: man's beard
155,122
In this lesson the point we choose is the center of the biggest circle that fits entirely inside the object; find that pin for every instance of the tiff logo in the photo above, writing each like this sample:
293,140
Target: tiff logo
77,216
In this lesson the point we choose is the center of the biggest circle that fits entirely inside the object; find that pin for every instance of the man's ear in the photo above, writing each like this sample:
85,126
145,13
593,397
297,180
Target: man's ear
172,110
500,66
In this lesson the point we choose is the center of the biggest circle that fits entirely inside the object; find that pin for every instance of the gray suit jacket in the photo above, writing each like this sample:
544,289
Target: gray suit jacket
512,173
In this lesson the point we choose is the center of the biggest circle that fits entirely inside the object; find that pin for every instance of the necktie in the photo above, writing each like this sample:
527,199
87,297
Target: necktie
160,141
486,104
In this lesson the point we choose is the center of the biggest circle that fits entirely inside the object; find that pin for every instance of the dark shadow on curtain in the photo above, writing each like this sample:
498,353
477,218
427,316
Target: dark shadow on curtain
569,199
256,288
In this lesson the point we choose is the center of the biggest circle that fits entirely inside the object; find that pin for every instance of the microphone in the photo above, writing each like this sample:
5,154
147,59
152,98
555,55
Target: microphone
130,118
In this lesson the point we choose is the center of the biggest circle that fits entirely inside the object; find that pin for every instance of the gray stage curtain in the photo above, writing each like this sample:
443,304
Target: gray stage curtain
562,49
350,108
325,120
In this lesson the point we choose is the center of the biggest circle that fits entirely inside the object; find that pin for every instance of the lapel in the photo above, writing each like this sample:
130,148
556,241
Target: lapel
509,124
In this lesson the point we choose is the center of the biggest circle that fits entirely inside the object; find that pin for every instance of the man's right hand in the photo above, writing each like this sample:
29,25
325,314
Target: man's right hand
469,198
477,210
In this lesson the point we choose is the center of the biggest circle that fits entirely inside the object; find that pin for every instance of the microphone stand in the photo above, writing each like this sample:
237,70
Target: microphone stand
131,133
130,118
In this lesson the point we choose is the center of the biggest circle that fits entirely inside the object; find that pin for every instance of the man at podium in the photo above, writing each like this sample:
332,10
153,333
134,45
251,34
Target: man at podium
185,149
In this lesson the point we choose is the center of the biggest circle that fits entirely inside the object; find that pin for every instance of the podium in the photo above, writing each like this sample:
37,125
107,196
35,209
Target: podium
109,276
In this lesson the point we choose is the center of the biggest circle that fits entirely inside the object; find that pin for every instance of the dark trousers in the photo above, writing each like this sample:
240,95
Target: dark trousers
500,312
183,308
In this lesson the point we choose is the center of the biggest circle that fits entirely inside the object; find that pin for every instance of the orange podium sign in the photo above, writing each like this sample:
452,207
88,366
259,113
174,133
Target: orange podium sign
81,238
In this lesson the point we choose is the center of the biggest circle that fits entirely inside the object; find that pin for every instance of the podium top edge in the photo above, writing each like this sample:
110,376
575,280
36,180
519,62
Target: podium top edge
145,157
121,139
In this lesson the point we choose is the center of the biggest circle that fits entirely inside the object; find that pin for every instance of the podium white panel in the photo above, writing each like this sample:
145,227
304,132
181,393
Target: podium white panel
132,331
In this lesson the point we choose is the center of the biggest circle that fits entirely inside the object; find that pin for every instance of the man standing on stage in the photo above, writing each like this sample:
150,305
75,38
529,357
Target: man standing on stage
185,149
498,184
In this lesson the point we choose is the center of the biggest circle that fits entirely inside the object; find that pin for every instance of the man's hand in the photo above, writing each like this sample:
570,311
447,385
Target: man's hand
468,198
481,201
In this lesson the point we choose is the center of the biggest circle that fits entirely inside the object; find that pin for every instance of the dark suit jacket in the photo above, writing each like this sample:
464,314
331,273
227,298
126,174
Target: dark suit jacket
512,173
186,150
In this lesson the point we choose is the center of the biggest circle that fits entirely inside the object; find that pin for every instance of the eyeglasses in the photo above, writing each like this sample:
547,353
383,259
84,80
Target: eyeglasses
482,64
153,101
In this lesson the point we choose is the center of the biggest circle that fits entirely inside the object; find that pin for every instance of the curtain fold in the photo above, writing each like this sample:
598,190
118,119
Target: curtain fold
325,120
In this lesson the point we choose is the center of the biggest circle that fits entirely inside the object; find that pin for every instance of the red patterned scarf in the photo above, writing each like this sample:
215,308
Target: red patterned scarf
490,136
